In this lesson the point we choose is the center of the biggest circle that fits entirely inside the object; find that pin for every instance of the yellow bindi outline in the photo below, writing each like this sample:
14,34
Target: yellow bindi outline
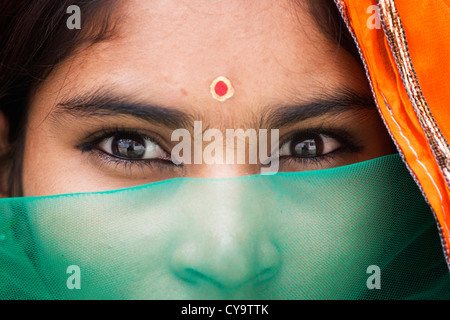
222,82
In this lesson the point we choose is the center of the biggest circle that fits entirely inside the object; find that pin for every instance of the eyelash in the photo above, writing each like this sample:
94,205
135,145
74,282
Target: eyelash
342,136
90,146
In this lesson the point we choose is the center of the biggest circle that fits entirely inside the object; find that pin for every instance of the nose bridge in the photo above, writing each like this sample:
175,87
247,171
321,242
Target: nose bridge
228,241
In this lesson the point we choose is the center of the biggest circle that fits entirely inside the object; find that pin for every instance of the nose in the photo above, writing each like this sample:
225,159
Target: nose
228,242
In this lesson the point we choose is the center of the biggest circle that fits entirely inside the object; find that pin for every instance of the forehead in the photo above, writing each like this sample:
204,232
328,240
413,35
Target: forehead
170,51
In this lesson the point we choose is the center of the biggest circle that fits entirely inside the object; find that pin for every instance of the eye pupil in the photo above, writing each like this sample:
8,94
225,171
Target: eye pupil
128,148
307,146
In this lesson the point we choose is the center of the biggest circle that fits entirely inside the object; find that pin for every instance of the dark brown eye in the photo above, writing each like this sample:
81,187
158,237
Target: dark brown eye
135,147
309,146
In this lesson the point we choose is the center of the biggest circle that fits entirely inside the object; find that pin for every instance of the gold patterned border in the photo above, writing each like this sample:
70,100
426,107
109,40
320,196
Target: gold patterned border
397,40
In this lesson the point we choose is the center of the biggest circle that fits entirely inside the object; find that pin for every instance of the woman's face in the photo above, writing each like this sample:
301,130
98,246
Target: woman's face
104,119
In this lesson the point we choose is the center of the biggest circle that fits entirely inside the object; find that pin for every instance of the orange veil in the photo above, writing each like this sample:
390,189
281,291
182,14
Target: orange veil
405,45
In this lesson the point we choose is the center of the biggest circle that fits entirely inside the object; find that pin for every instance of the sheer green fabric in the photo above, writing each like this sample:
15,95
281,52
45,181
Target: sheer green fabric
361,231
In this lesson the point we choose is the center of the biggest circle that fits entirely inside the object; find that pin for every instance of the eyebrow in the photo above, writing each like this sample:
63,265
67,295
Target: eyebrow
333,103
104,103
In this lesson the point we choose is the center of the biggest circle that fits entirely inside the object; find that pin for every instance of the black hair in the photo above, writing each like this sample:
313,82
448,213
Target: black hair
33,41
328,19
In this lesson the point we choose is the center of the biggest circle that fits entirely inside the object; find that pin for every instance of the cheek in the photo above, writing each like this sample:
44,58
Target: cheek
50,167
379,140
36,175
112,248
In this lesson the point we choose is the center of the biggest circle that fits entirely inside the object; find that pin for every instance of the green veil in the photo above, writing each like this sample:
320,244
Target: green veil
361,231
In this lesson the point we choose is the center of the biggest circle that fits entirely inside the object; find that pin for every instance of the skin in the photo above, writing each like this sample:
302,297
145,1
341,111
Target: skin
167,53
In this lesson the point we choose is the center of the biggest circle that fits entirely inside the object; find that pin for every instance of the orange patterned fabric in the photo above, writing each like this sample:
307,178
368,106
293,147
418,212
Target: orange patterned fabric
408,64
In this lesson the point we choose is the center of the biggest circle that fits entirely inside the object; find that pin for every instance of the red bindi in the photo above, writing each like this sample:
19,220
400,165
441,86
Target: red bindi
221,88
